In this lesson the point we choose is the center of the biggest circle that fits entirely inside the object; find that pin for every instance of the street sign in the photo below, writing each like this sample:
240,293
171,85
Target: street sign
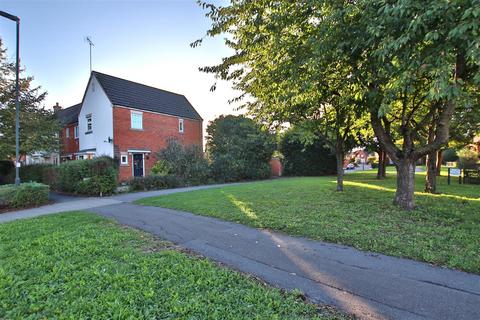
454,172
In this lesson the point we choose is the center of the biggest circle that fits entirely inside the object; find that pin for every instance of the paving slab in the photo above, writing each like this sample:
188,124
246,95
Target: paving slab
369,285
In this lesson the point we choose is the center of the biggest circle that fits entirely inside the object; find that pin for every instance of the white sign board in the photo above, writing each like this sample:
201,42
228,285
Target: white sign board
454,172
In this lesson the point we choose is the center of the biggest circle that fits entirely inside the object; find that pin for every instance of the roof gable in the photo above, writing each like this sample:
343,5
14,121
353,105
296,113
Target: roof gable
131,94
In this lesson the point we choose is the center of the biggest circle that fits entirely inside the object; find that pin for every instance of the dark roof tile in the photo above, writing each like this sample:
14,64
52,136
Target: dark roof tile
69,115
135,95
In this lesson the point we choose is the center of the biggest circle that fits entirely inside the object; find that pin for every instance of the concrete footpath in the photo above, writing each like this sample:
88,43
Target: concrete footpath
371,286
73,203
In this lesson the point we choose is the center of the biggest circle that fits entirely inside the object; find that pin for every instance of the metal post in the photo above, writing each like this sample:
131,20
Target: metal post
17,110
90,58
17,103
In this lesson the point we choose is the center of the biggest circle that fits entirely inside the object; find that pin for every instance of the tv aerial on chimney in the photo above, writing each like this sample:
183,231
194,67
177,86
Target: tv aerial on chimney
90,43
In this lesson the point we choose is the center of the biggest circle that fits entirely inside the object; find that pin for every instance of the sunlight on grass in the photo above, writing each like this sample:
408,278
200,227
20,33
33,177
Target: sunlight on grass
242,206
365,185
375,187
442,230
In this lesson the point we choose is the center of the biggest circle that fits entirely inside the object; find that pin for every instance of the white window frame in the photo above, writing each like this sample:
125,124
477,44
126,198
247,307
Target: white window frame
136,113
75,132
122,155
89,117
67,132
181,125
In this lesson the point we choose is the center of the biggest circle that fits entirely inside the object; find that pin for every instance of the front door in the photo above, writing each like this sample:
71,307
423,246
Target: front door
138,164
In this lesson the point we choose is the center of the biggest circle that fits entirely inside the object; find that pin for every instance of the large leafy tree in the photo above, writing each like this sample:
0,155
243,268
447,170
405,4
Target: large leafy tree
239,148
418,61
278,64
38,126
408,64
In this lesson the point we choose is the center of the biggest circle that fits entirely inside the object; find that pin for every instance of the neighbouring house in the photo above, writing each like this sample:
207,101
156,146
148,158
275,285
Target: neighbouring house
69,137
128,121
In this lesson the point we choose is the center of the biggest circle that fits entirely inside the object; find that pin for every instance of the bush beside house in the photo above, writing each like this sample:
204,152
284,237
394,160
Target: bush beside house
25,195
89,177
300,159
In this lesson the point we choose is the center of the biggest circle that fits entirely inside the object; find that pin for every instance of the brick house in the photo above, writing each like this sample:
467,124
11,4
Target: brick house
128,121
69,135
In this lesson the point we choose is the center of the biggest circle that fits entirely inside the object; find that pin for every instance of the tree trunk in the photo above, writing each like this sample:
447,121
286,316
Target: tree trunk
439,162
405,184
384,166
431,178
340,172
381,156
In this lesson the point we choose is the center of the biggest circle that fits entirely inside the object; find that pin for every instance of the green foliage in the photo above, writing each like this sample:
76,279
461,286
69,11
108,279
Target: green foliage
24,196
239,149
186,162
300,159
82,266
90,177
405,68
34,172
443,230
102,184
155,182
6,170
161,168
38,126
449,155
467,159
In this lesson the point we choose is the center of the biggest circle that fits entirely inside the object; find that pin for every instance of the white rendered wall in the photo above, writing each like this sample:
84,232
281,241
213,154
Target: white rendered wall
99,106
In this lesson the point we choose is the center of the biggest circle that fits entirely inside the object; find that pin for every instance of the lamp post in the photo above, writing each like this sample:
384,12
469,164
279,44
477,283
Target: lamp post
17,103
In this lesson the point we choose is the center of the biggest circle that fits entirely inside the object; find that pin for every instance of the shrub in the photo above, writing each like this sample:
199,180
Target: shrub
7,170
300,159
239,149
467,159
34,172
25,195
102,184
90,177
186,162
161,168
155,182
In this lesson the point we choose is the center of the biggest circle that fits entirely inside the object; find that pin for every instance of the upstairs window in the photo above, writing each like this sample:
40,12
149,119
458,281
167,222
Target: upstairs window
136,120
75,132
180,125
67,132
89,122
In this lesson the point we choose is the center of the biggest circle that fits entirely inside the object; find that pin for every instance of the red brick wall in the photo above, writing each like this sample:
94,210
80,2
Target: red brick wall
275,167
69,145
157,128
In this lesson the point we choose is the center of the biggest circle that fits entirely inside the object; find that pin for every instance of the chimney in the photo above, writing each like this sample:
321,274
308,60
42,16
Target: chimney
57,107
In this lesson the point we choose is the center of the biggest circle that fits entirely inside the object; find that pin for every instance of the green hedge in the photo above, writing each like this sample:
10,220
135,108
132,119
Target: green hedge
7,172
89,177
300,159
155,182
26,195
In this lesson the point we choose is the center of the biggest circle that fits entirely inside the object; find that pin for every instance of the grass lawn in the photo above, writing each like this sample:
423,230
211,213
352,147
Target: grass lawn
444,230
79,266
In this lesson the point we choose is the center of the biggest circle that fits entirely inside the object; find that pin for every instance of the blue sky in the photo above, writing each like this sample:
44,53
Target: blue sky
143,41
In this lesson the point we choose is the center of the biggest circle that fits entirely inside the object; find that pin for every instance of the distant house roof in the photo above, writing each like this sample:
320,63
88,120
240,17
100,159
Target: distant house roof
131,94
69,115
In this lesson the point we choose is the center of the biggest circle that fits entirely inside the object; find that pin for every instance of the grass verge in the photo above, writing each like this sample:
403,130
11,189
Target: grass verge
78,265
443,230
